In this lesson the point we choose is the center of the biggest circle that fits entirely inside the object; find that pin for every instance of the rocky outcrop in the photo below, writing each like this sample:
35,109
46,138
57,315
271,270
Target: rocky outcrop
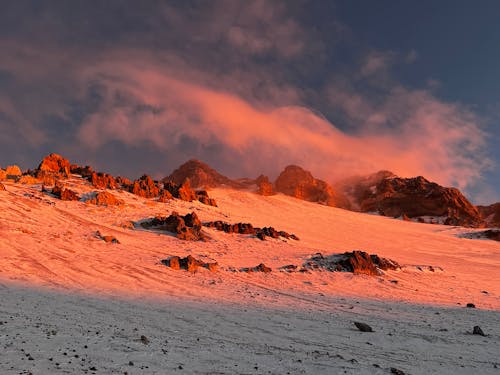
247,228
200,175
264,186
299,183
418,197
145,187
260,268
54,164
189,263
13,172
64,194
165,196
102,180
187,227
357,262
491,214
202,196
186,193
104,198
489,234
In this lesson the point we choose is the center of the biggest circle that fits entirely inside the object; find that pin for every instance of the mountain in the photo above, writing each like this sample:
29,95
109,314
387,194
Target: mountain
299,183
491,214
416,198
200,176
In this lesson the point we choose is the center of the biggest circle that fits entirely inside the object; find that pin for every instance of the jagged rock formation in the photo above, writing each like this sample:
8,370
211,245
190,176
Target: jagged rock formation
189,263
145,187
64,194
491,214
247,228
54,164
264,186
103,198
260,268
357,262
102,180
187,227
301,184
200,175
415,198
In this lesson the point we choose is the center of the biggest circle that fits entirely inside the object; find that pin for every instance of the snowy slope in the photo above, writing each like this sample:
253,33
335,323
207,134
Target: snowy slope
55,271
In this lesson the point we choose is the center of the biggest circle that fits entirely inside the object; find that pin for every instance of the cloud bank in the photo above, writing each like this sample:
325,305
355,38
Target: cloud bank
231,94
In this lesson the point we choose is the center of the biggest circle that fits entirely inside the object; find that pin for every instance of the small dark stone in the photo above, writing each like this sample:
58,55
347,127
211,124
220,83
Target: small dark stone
130,363
396,371
144,340
471,306
477,331
363,327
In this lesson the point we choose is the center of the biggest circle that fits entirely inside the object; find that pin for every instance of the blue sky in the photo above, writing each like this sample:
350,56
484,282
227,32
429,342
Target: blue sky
339,87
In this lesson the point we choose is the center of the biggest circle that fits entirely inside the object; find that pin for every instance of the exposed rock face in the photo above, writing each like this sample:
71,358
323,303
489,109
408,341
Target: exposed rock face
247,228
64,194
104,198
264,186
55,164
417,197
491,214
187,227
145,187
301,184
357,262
189,263
200,176
102,180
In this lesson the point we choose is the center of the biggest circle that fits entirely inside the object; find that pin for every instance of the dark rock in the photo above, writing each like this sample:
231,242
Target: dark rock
104,198
471,306
200,175
85,172
478,331
189,264
491,214
64,194
107,238
144,187
299,183
264,186
247,228
102,180
55,164
260,268
185,192
165,196
396,371
363,327
203,197
358,262
144,340
186,227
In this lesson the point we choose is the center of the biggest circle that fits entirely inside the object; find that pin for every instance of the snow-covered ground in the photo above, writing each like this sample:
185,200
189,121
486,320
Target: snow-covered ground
61,285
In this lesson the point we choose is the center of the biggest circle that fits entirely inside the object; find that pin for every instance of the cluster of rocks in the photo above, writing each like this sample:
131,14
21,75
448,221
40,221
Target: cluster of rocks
104,198
357,262
259,268
187,227
189,263
247,228
59,191
489,234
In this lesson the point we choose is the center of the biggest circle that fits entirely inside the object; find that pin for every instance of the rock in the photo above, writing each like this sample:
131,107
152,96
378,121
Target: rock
144,340
200,175
85,172
145,187
357,262
260,268
491,214
28,180
3,175
264,186
396,371
471,306
2,187
414,198
186,193
203,197
186,227
247,228
299,183
107,238
478,331
104,198
55,164
165,196
189,263
13,171
103,180
64,194
363,327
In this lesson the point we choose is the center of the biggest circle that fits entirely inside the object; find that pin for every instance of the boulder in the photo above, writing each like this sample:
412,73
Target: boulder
145,187
185,192
165,196
55,164
64,194
104,198
264,186
107,238
203,197
102,180
186,227
363,327
13,171
260,268
189,263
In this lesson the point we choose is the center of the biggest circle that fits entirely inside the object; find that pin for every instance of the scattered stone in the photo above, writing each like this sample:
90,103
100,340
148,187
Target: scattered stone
260,268
396,371
247,228
478,331
189,263
144,340
186,227
104,198
363,327
471,306
357,262
107,238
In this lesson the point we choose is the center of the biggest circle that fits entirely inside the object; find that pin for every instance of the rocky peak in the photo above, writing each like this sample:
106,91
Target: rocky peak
55,163
200,175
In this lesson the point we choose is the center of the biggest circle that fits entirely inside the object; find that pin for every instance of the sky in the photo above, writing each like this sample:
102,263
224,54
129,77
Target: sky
340,88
